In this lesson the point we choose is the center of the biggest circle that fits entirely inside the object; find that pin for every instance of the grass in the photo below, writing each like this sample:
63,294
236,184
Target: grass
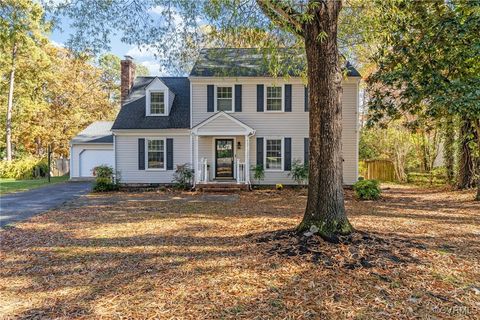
178,256
12,185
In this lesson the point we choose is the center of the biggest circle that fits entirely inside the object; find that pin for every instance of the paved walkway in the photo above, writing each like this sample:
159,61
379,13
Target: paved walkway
23,205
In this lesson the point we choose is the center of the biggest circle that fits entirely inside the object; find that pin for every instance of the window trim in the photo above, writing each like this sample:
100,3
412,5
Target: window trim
147,168
216,97
265,153
149,103
265,99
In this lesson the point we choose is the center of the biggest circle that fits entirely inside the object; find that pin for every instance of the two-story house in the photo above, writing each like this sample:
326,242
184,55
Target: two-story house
228,116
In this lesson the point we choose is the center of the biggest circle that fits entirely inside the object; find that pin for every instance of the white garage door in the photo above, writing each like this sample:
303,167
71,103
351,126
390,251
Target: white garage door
89,159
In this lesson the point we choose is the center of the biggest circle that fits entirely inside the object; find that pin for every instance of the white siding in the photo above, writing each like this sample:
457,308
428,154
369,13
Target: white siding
283,124
127,156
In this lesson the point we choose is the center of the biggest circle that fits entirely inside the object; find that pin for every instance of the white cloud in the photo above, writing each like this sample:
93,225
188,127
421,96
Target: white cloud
143,51
163,11
57,44
153,67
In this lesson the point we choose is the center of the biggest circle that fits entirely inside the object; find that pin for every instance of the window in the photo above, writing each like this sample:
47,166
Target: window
224,99
156,154
157,103
273,154
274,98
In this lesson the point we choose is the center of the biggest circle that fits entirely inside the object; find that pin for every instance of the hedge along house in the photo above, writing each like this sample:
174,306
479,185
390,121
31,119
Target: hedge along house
228,116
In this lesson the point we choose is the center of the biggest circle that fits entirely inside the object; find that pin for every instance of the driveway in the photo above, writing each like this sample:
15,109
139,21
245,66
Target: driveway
23,205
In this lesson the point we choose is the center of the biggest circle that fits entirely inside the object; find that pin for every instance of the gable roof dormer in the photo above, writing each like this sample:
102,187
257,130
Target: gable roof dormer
158,98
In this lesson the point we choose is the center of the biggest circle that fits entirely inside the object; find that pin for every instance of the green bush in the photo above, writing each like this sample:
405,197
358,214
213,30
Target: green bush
104,179
367,189
183,176
25,168
299,172
258,172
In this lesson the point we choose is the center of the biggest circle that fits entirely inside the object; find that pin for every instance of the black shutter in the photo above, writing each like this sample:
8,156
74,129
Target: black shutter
141,154
288,154
169,154
210,98
238,98
306,150
260,97
306,99
260,151
288,98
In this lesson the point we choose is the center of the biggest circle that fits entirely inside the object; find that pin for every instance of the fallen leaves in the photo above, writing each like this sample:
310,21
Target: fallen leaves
182,256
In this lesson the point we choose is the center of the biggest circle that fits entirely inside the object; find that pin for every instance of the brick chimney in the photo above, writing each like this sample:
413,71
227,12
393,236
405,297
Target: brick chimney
127,74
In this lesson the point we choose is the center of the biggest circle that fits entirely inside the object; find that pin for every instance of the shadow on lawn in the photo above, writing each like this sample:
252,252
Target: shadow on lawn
105,267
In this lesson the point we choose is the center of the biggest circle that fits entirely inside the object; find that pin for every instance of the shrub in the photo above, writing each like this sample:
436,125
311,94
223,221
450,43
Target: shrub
258,172
25,168
367,189
104,179
182,178
299,172
279,186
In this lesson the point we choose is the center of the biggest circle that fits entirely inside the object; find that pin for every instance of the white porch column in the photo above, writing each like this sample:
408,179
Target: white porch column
247,159
195,159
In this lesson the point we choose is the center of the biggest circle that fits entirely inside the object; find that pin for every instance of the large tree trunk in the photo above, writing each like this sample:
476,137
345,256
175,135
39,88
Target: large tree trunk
466,162
449,149
325,205
10,105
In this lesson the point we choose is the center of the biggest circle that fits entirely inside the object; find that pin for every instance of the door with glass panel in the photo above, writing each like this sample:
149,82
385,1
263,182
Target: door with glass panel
224,158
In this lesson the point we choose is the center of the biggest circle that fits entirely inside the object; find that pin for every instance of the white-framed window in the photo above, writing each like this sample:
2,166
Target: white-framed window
273,154
155,154
274,98
224,98
156,103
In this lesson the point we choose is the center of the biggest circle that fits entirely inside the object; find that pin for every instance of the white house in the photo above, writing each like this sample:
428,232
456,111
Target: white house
228,116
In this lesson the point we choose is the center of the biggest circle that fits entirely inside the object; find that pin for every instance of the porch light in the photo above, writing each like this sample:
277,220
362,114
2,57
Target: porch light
239,145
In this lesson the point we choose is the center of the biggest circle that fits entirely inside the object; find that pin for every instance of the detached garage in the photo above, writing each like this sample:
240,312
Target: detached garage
90,148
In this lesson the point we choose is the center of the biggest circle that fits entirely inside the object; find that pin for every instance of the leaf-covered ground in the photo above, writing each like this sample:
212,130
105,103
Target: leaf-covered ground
184,256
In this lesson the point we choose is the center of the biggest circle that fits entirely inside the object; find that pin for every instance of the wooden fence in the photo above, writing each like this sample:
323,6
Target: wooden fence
382,170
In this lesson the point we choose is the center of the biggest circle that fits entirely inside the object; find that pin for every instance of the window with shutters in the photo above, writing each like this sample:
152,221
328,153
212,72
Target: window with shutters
273,154
274,101
225,99
156,103
155,154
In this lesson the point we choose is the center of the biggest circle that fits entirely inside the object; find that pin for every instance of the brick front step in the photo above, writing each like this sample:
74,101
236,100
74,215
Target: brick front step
221,187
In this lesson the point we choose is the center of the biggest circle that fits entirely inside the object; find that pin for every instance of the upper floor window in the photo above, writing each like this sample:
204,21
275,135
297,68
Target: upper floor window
157,103
156,154
224,99
273,154
274,98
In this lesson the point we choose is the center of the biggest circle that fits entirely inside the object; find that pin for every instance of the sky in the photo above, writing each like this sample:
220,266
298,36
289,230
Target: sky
141,56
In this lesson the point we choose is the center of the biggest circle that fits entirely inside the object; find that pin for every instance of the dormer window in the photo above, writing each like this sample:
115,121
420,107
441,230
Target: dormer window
225,99
157,103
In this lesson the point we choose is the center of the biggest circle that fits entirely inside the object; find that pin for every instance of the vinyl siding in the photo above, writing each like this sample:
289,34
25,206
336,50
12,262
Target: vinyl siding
220,125
127,156
282,124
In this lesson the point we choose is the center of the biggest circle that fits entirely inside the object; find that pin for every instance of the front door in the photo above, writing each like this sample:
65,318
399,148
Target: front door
224,158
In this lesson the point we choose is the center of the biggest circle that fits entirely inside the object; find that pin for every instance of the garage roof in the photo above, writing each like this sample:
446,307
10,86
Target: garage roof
97,132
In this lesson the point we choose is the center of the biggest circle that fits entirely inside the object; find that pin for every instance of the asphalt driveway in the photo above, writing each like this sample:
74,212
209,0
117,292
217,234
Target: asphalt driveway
23,205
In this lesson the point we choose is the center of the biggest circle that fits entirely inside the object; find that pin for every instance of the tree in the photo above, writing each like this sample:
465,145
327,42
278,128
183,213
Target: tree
428,61
312,25
22,28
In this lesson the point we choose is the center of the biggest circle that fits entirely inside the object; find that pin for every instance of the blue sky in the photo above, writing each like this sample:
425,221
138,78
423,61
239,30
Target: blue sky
142,57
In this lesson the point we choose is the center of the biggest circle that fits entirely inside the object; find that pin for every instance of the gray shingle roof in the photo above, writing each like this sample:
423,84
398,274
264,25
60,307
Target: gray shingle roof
132,114
250,62
97,132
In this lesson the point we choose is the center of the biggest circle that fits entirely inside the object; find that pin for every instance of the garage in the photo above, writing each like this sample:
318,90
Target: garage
91,148
91,158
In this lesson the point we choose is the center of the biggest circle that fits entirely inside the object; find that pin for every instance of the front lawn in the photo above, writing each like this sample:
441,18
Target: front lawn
12,185
184,256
